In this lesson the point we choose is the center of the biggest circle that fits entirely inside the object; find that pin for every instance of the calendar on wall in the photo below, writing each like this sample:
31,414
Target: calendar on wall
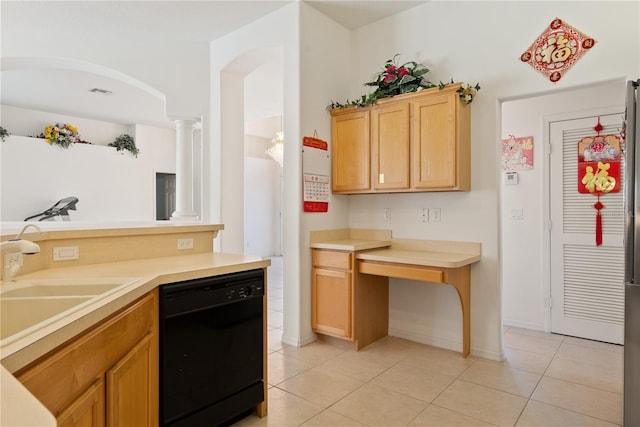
316,168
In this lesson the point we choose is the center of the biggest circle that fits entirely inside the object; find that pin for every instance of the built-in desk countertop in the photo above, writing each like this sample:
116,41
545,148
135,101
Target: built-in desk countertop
418,257
432,261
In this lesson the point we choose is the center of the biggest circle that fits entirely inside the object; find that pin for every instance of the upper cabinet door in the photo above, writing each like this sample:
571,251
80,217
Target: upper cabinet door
350,151
390,146
437,164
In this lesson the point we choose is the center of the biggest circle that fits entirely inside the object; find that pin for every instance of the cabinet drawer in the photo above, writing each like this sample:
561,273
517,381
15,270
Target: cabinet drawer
331,259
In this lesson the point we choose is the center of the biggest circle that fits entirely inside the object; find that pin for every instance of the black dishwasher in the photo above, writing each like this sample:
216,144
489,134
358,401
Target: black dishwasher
211,349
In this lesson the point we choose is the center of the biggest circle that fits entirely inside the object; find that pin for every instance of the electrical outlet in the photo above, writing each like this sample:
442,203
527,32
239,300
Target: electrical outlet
424,215
386,214
66,253
185,244
12,259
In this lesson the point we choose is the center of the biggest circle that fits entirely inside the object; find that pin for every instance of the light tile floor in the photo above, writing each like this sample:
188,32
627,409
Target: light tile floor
546,380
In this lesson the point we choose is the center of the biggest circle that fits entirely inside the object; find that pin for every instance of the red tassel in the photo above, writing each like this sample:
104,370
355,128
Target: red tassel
598,229
598,206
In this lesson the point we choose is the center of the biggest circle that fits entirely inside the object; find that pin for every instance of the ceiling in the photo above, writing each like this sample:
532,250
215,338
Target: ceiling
199,21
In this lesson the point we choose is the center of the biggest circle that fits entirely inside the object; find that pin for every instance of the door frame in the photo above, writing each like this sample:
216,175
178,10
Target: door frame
546,236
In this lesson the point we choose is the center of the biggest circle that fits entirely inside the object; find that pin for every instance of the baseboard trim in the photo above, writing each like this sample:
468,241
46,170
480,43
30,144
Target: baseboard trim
523,325
445,344
298,341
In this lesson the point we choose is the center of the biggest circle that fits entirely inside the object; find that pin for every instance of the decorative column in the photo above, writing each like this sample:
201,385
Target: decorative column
184,171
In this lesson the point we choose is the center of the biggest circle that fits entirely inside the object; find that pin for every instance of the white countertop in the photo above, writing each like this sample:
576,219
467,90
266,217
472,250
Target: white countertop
428,253
17,401
351,244
418,257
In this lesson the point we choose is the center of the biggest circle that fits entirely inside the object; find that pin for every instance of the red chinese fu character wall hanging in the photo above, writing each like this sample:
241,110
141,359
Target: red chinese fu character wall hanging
557,49
599,169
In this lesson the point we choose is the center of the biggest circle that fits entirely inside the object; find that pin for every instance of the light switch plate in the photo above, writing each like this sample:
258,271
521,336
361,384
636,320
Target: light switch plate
435,215
516,213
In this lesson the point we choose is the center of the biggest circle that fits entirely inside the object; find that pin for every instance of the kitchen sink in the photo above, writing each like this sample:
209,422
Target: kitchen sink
20,314
62,287
27,305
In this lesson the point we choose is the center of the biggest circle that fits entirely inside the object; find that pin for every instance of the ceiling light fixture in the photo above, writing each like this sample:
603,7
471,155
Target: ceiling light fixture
276,150
100,91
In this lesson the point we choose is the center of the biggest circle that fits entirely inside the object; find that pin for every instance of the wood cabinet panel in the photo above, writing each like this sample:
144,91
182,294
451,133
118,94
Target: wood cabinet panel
332,303
87,410
350,160
434,145
331,259
132,388
390,144
411,272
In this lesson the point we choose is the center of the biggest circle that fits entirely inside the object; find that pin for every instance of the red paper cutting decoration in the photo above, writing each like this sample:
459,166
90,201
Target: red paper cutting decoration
599,169
557,49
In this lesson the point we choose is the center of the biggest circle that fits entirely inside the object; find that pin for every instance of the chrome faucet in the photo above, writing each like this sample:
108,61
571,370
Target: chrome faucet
9,249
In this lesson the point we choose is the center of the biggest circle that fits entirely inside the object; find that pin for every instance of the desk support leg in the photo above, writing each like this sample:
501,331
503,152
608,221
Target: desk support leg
460,278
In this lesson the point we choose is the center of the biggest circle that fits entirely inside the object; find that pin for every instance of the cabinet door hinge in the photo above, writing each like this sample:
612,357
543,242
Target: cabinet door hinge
548,302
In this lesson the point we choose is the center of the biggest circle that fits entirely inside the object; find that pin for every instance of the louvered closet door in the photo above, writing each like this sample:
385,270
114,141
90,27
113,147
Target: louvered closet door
587,281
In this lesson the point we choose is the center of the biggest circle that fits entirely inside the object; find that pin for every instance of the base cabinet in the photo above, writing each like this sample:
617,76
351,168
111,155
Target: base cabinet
108,376
332,290
345,303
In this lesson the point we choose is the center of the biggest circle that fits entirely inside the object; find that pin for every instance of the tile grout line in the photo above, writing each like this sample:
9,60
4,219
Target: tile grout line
538,382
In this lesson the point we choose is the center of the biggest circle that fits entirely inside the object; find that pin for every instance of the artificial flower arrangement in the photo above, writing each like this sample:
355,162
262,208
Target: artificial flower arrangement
397,79
61,134
466,93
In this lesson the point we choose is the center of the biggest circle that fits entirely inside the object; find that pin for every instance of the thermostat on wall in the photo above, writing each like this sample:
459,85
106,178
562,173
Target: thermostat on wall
511,178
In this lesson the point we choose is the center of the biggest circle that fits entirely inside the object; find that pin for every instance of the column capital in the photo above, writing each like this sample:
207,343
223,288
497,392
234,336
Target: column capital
184,120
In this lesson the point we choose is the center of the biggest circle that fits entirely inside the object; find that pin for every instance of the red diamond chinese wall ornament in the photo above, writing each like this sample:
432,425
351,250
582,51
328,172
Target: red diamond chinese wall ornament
557,49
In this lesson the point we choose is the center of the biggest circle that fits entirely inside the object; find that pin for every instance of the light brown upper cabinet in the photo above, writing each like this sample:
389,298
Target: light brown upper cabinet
350,161
390,146
409,143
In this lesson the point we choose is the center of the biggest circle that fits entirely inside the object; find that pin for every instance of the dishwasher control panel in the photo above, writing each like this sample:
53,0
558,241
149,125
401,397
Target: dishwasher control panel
241,292
202,294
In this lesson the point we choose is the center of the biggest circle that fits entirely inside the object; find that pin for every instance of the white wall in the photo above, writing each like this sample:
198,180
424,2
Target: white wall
262,199
524,243
309,42
110,185
471,42
262,207
324,65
